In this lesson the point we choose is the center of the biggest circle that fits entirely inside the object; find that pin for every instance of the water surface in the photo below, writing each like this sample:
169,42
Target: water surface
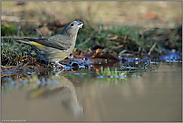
150,95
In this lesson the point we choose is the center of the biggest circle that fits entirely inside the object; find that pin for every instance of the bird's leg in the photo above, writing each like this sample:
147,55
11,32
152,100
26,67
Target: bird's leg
71,58
60,64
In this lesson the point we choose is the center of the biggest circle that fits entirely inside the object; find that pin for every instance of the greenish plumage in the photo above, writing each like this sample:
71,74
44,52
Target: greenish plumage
58,47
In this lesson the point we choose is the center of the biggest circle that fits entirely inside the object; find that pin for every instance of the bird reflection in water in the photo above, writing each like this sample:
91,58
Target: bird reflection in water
52,87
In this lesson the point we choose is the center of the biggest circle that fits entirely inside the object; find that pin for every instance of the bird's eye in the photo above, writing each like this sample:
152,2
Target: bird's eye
72,24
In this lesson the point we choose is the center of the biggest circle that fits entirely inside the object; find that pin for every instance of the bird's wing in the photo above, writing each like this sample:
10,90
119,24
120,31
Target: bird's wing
61,43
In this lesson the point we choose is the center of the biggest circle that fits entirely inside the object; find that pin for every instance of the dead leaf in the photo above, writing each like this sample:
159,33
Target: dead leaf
44,31
88,55
6,24
151,15
107,55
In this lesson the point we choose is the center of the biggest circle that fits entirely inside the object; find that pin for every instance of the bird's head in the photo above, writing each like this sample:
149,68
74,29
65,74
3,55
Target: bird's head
71,29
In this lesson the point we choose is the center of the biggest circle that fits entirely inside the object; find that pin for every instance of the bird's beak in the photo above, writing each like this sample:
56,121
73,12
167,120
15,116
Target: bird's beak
80,23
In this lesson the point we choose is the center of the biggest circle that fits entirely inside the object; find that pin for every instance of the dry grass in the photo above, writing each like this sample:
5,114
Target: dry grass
145,13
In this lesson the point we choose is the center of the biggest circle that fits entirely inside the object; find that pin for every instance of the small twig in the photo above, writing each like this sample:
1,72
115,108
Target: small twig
39,33
152,48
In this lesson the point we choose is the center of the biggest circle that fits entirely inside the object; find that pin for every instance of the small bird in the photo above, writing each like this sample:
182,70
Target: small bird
58,47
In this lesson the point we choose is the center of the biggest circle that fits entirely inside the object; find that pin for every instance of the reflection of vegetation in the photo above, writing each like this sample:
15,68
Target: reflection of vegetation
116,74
10,82
112,75
46,87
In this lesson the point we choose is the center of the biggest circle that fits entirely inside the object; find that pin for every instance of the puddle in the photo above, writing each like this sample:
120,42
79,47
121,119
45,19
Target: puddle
131,93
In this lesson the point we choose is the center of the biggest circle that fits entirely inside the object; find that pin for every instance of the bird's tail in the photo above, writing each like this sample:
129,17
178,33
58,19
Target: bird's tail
31,42
26,41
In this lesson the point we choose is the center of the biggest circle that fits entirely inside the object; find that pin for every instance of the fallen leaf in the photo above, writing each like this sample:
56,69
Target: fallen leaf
44,31
88,55
6,24
107,55
151,15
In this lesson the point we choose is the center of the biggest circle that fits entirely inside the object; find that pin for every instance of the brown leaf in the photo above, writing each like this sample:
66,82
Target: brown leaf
43,31
107,55
88,54
151,15
6,24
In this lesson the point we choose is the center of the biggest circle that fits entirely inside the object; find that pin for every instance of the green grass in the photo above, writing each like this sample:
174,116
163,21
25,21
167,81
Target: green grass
101,36
87,39
115,39
10,53
13,53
